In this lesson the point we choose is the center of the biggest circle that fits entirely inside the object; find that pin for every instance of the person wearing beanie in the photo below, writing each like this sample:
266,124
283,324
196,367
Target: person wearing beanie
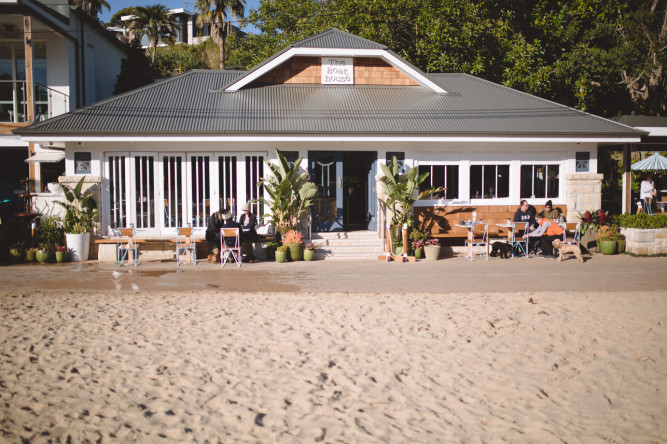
550,212
249,222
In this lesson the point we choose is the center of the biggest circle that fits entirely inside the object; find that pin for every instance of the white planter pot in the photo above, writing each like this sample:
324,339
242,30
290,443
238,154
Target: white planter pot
78,245
432,252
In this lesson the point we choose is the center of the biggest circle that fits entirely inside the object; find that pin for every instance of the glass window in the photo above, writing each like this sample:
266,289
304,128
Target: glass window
583,161
82,163
489,181
446,176
539,181
400,159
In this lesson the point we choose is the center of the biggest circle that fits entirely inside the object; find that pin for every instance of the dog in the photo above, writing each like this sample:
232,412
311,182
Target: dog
501,248
567,248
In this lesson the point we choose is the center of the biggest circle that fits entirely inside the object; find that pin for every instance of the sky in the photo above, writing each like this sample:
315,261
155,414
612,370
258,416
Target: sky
117,5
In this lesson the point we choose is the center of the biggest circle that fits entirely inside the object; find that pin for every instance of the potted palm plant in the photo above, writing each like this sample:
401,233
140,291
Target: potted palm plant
80,216
401,193
290,193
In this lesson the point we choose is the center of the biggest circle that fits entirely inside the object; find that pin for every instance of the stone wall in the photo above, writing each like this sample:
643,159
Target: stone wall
645,242
584,192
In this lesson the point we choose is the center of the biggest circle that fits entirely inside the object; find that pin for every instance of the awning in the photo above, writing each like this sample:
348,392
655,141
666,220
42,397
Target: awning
47,157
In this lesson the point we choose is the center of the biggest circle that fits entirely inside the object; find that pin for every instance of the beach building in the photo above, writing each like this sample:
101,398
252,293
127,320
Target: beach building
54,58
171,153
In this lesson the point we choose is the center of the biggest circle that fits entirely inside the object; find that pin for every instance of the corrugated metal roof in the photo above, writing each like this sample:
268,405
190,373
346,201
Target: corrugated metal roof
189,105
335,38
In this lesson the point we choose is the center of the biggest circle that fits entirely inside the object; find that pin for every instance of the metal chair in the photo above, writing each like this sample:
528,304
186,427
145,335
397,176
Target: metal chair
185,245
571,227
230,248
126,243
519,246
478,247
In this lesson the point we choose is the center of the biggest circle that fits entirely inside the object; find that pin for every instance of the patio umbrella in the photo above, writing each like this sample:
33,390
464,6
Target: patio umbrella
654,162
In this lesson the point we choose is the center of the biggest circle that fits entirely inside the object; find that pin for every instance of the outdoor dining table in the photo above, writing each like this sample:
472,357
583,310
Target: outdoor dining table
471,243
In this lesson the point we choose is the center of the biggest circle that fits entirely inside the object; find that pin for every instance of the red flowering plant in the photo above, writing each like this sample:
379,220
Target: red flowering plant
592,220
432,241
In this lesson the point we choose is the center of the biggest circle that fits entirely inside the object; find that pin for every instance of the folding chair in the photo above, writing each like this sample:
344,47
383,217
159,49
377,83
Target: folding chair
126,243
571,227
185,245
519,246
478,246
231,248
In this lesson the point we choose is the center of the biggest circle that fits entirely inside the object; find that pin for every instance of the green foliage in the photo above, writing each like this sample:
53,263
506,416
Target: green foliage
177,59
290,192
80,208
217,13
401,192
641,220
592,219
115,19
156,23
135,70
50,231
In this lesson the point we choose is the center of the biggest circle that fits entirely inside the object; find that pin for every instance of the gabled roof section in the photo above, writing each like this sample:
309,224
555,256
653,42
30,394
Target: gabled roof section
335,38
334,43
185,106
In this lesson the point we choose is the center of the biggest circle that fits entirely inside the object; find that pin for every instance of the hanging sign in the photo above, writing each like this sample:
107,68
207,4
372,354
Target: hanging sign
337,71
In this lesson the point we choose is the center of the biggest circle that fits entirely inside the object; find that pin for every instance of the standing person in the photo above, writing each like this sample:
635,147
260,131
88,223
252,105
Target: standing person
248,221
646,193
525,214
548,231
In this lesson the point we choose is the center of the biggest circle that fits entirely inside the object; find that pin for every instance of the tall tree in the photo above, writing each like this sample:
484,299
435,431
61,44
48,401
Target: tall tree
216,13
156,23
91,7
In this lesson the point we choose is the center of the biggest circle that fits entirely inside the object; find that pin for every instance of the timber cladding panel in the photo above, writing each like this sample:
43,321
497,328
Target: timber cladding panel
308,70
442,220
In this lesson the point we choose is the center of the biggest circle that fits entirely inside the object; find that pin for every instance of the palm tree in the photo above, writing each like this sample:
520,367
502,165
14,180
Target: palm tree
91,7
155,22
215,13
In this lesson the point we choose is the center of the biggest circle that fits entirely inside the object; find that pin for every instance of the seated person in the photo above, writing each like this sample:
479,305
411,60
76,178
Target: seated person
547,232
249,222
550,212
525,214
213,234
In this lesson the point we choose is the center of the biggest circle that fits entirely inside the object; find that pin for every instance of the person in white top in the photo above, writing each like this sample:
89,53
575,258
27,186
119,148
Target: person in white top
646,193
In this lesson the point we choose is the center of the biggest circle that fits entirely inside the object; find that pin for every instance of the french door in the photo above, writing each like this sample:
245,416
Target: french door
326,171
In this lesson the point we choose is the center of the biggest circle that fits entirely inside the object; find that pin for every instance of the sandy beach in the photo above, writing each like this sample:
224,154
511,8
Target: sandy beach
214,367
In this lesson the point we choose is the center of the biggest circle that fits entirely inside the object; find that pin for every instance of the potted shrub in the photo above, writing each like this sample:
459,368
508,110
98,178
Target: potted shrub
31,255
61,254
432,250
50,234
590,224
294,241
270,249
290,192
17,252
401,192
607,238
80,216
309,251
418,245
620,243
281,253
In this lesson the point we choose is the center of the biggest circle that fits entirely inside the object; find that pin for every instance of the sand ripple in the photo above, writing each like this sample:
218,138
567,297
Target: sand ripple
211,367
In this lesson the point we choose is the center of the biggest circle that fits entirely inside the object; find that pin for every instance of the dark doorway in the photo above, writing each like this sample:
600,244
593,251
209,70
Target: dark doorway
359,190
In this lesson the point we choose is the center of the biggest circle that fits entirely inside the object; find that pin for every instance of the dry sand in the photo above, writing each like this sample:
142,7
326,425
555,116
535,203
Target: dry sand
355,368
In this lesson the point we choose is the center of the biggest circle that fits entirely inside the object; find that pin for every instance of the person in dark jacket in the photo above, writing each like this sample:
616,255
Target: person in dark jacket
219,219
249,222
525,214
